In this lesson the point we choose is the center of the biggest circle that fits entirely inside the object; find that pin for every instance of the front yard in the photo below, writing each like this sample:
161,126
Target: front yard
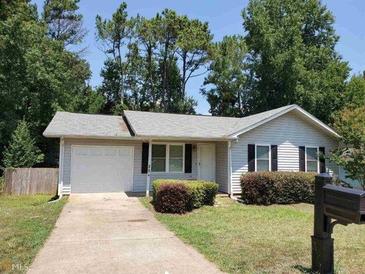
25,223
262,239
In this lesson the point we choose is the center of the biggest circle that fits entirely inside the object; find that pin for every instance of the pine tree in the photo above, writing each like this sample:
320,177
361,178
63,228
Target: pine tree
22,151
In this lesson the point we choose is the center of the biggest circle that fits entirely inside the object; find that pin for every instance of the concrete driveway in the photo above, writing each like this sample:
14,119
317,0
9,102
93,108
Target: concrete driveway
113,233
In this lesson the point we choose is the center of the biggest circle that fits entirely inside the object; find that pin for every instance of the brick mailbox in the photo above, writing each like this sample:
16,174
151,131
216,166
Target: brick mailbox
346,205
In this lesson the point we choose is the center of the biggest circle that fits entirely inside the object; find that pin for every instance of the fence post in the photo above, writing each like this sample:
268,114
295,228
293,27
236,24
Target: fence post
322,243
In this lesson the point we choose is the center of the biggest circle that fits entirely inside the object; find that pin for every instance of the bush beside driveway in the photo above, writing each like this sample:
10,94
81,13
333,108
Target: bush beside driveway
25,223
262,239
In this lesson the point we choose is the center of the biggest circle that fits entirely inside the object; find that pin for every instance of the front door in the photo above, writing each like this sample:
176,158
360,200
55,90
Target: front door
206,162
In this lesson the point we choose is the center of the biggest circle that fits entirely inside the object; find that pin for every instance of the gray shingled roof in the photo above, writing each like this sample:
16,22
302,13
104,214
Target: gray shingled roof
179,125
162,125
86,125
193,126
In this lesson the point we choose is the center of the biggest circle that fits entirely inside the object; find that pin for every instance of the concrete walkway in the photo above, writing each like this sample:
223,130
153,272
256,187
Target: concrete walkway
113,233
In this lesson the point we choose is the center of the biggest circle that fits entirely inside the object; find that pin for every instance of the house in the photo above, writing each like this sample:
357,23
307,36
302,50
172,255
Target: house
103,153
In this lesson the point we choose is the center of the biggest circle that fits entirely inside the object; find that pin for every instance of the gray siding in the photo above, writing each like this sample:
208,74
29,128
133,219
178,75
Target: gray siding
288,132
139,179
221,167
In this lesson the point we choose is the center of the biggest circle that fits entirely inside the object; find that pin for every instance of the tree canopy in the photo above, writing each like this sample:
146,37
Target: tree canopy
64,23
38,76
293,57
350,153
226,86
150,61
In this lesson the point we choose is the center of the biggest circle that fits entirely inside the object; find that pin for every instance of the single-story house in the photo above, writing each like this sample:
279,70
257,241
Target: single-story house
104,153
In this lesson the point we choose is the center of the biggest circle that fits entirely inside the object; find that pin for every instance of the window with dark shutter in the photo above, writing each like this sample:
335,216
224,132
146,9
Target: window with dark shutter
188,157
322,160
301,158
274,158
144,158
251,157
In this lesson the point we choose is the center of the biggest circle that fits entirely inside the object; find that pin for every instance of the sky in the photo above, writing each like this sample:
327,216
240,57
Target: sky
224,18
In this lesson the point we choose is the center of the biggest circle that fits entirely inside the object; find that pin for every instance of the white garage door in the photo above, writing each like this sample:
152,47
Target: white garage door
101,169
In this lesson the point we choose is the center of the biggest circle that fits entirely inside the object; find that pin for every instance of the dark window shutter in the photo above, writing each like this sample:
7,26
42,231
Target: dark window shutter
274,158
301,158
144,157
188,157
251,157
322,160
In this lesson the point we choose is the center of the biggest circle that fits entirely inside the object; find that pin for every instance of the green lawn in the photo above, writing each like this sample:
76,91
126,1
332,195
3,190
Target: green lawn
262,239
25,223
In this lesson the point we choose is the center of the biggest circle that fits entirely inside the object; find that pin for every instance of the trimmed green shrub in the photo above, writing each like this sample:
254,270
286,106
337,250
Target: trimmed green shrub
265,188
201,192
172,198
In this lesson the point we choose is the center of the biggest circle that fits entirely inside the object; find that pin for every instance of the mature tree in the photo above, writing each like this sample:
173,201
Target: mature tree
185,40
226,86
63,20
147,38
22,151
350,153
114,35
146,58
173,101
193,44
354,95
37,76
292,45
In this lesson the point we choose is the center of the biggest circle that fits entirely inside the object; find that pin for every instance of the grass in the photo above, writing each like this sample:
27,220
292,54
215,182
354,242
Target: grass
25,223
262,239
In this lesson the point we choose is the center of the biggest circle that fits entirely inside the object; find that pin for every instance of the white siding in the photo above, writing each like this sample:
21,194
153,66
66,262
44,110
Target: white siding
221,167
288,132
139,179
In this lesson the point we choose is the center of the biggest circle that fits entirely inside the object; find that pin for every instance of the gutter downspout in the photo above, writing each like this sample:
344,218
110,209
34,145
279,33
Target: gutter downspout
229,169
149,168
60,168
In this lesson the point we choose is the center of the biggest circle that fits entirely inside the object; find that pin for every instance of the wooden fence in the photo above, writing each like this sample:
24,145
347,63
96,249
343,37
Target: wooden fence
28,181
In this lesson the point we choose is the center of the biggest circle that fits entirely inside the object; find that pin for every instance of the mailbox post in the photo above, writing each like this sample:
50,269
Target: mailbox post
322,243
345,206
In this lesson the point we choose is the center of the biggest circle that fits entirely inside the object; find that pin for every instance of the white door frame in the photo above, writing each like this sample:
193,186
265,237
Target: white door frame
199,145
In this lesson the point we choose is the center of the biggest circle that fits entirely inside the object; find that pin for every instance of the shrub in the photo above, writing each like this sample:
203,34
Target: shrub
201,192
267,188
172,198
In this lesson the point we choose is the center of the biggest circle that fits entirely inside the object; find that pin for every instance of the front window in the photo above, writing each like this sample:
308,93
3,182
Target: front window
312,159
262,158
176,158
158,158
167,158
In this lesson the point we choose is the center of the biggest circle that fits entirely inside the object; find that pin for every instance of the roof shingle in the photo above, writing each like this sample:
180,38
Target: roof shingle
162,125
86,125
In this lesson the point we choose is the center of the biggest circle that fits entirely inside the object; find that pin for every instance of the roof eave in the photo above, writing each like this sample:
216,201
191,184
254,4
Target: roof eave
184,138
139,137
59,135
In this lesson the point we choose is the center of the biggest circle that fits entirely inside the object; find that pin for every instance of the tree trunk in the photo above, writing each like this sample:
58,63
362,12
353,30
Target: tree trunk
183,82
150,74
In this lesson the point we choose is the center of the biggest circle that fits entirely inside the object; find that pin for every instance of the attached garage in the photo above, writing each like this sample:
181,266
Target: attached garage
101,168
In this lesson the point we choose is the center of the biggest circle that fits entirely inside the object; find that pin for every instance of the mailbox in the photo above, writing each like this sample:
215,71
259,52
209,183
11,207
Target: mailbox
346,205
